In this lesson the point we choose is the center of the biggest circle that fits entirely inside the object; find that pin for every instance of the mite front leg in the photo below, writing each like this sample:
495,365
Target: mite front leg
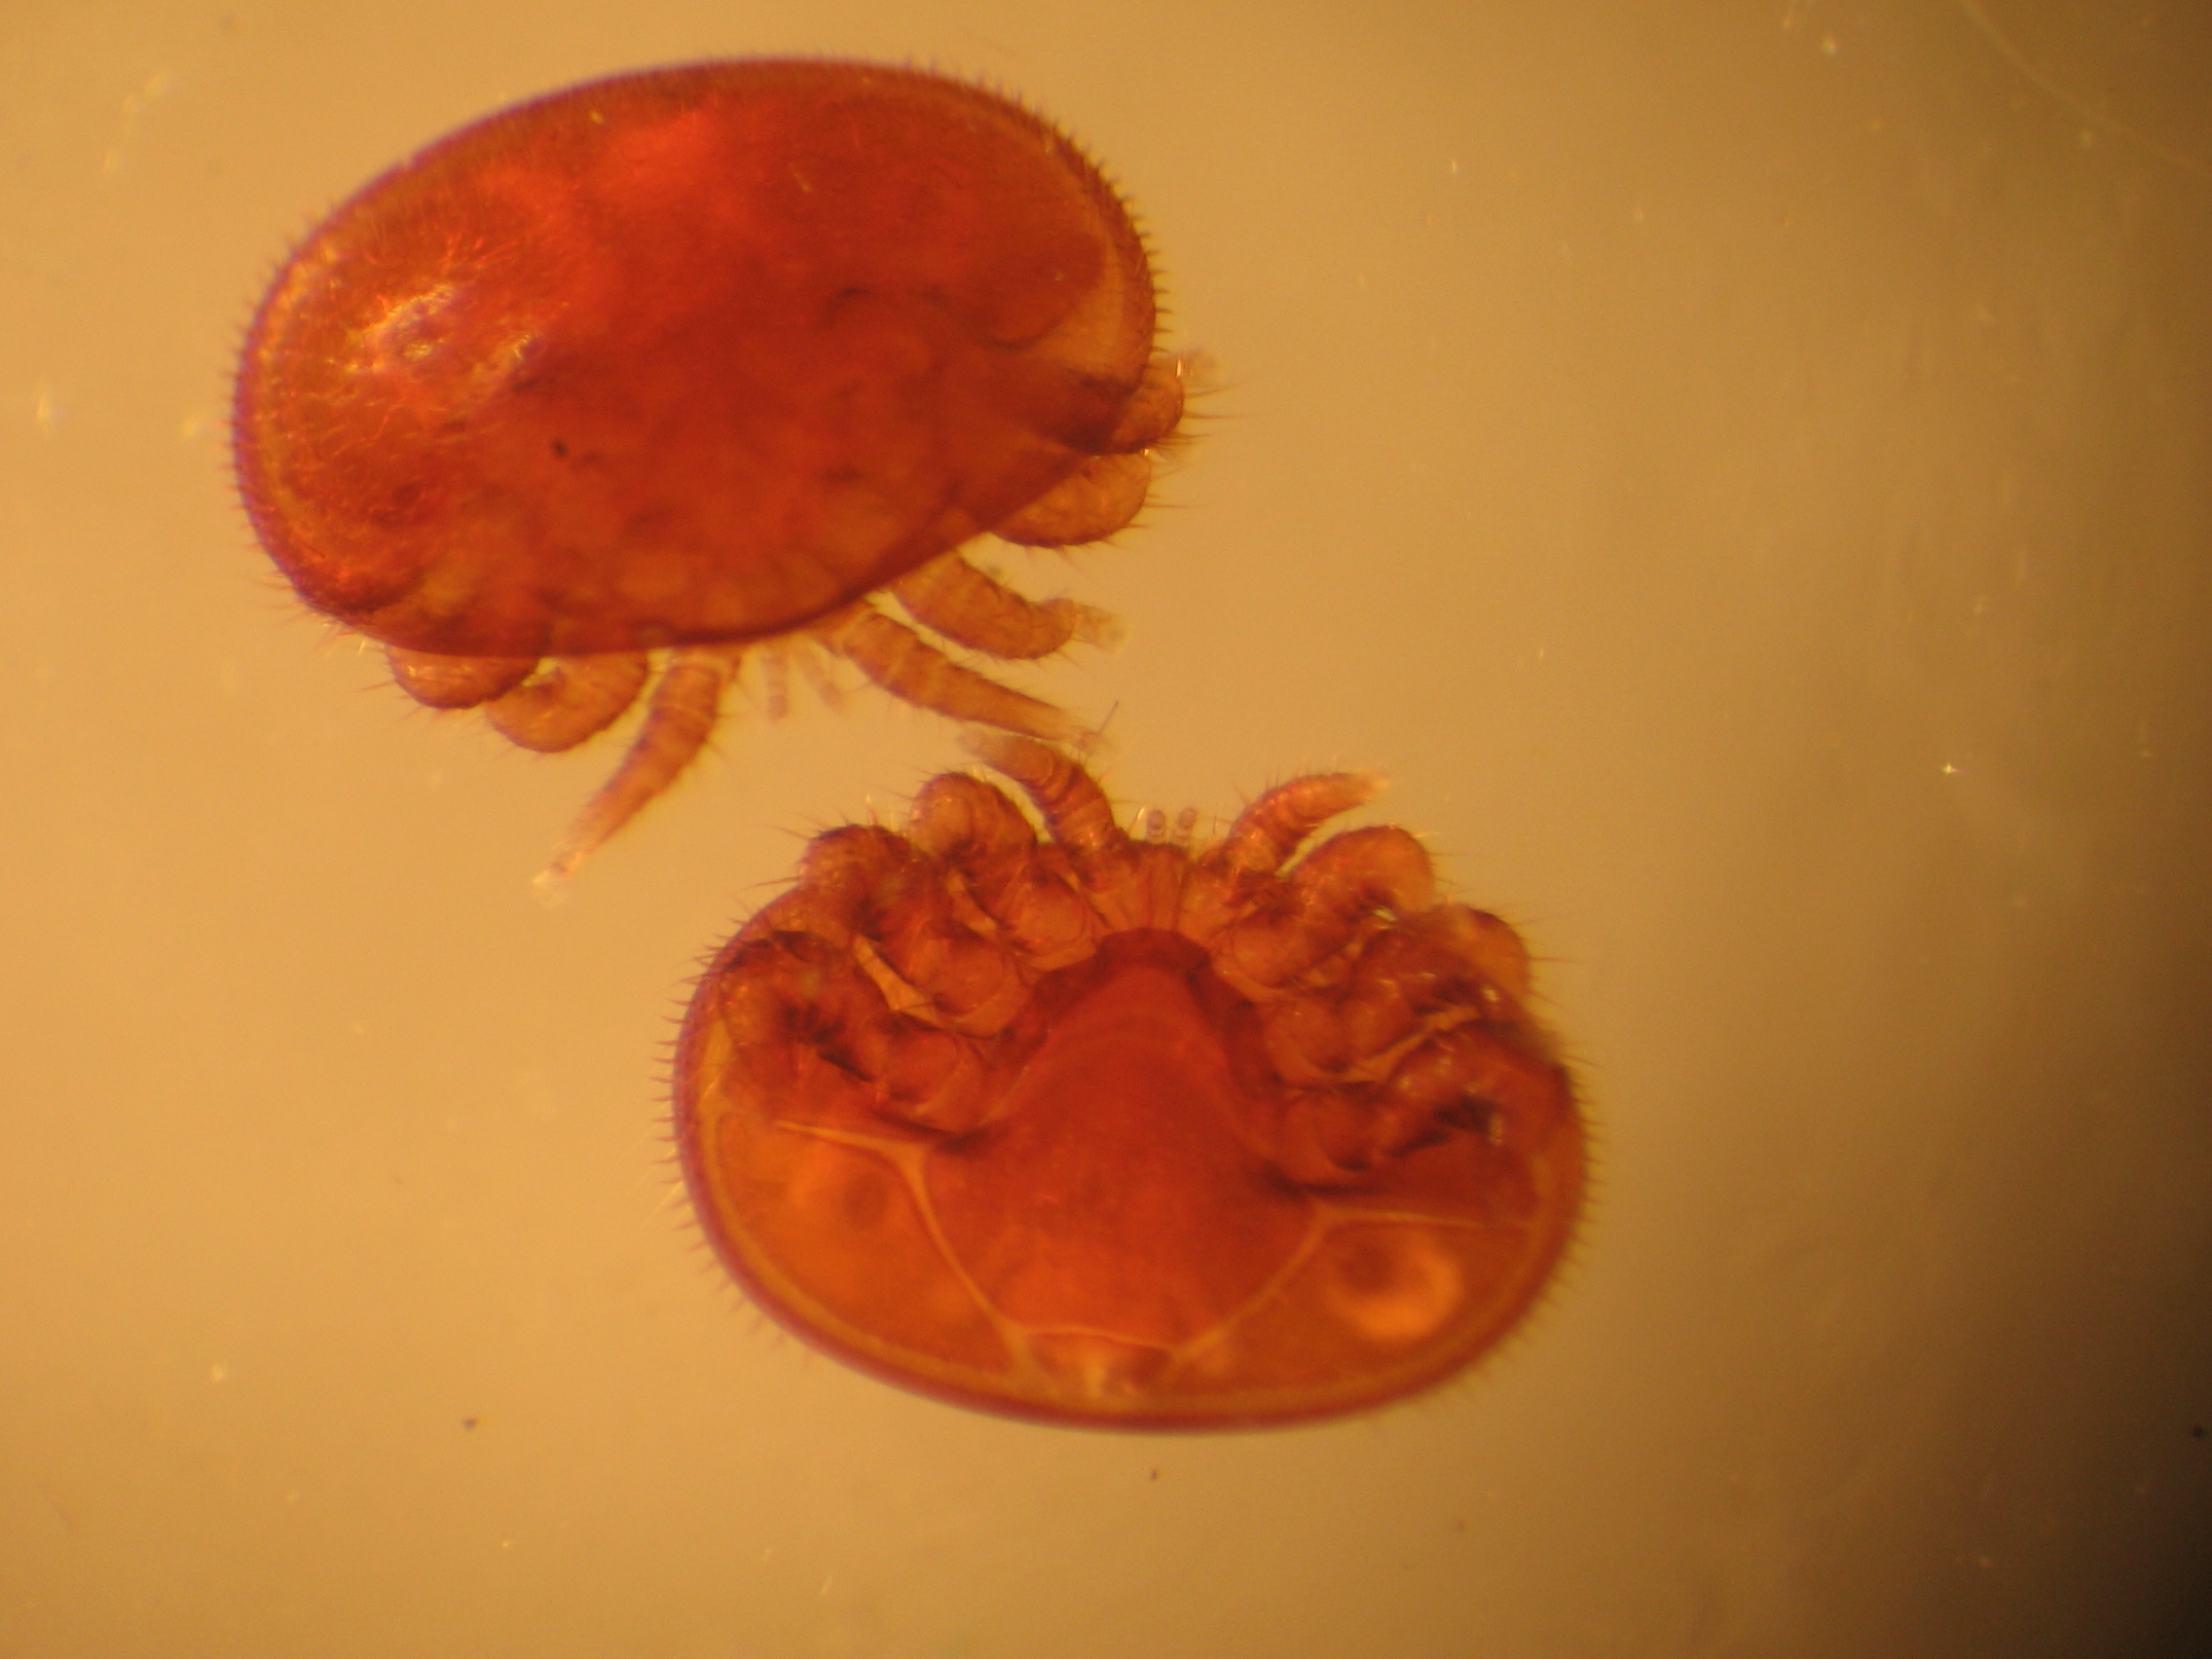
1347,879
1236,874
1130,886
1108,491
1027,891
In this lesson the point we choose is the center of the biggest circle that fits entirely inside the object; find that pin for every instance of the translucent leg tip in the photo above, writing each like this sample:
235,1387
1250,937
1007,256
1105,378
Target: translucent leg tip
550,885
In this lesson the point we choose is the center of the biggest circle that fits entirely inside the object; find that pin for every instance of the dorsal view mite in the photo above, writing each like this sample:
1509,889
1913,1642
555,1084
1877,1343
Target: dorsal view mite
591,401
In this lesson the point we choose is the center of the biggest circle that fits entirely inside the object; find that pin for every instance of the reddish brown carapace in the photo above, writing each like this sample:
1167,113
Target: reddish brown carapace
695,360
1125,1132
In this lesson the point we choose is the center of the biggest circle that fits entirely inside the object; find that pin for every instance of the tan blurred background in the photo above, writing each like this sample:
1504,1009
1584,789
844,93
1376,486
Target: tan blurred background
1742,468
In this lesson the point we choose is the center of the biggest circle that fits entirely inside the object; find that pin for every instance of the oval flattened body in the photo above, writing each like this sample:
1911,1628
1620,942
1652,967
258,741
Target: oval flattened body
696,354
1247,1146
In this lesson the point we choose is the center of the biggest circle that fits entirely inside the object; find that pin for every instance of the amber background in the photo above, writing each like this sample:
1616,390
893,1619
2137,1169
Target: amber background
1741,467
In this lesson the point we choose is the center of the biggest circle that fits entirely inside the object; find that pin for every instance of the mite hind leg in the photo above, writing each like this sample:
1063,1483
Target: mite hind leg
972,608
912,670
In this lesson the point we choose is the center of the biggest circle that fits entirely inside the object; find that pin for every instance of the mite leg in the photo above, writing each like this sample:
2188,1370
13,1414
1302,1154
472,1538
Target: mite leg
897,659
1463,1082
1076,809
1127,884
1089,505
868,881
1276,825
970,609
969,824
1445,967
1468,1077
970,982
1157,409
792,992
570,699
779,658
548,705
1347,879
454,681
973,829
686,706
1110,489
776,682
1231,876
1426,1038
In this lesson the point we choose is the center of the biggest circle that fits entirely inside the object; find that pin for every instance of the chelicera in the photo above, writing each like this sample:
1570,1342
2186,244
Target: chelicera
1122,1131
607,390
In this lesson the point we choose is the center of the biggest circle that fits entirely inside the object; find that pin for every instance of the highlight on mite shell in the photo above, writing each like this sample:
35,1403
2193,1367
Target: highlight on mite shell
1121,1130
590,400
